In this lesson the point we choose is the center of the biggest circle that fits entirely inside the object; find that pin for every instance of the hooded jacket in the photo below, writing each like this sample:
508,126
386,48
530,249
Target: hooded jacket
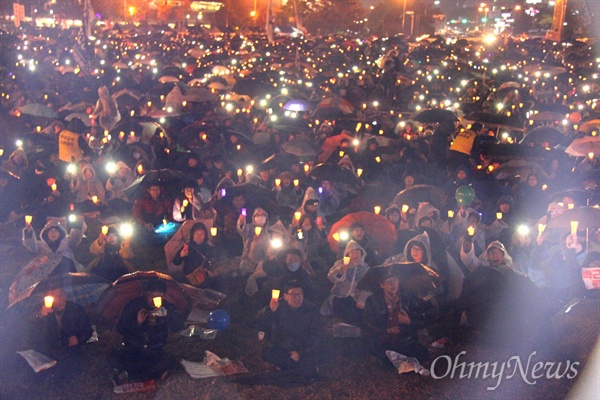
66,242
345,283
115,186
87,188
473,262
255,246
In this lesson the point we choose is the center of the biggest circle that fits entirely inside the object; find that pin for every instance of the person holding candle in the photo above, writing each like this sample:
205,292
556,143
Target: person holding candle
86,184
194,258
188,205
309,206
113,255
119,179
294,330
311,239
288,195
345,299
145,329
54,239
150,210
283,267
255,245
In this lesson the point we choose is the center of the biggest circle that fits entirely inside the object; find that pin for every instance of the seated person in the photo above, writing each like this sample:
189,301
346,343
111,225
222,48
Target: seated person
194,258
145,329
345,300
113,255
294,329
285,268
388,325
150,210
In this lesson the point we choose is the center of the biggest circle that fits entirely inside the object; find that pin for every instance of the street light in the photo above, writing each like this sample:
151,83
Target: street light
483,8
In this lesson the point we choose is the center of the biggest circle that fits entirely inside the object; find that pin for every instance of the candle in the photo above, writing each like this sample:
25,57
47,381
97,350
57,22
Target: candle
257,230
297,215
28,219
544,187
590,155
165,221
157,301
570,206
377,209
104,230
277,182
541,228
346,260
574,226
404,208
359,172
54,187
306,167
378,159
140,169
341,153
240,172
498,215
296,182
336,236
275,294
213,231
185,203
471,231
48,301
450,213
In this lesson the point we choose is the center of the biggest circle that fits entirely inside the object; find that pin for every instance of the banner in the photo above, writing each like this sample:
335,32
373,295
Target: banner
68,147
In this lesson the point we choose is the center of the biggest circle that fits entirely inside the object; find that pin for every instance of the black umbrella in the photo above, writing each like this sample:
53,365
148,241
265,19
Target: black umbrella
252,87
167,178
250,191
280,161
302,147
544,134
435,115
416,279
335,173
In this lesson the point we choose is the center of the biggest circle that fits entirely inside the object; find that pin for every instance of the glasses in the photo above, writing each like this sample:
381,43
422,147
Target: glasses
295,294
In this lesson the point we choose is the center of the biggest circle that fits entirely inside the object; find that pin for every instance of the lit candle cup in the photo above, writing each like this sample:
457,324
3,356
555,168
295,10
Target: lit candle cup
278,182
95,199
297,215
341,153
336,237
306,167
541,228
346,260
54,187
48,301
28,219
104,230
471,230
498,215
140,169
275,294
257,230
213,231
240,172
377,209
574,226
450,213
185,202
571,206
405,208
296,182
359,172
157,301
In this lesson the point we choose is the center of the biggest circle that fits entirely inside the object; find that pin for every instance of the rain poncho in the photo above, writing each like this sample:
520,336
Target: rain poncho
115,185
345,283
106,110
86,188
472,262
64,245
423,240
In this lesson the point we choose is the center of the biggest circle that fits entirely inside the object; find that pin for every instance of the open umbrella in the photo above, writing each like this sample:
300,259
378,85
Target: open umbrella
331,144
435,115
182,237
416,279
279,161
589,126
381,231
168,178
301,147
252,87
297,105
250,191
546,116
38,110
332,108
35,271
199,95
131,286
544,134
334,173
416,194
518,167
80,287
587,218
583,146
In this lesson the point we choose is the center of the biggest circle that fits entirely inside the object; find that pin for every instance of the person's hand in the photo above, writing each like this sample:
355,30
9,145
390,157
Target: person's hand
141,316
185,250
344,267
241,218
320,223
126,242
295,356
394,330
572,243
45,311
403,318
73,341
360,306
101,239
274,305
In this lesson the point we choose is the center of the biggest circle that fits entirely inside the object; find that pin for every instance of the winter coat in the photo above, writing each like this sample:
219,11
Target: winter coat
49,335
148,211
115,186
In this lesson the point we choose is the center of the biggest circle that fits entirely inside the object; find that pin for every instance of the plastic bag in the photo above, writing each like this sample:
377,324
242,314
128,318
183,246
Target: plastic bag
406,364
203,333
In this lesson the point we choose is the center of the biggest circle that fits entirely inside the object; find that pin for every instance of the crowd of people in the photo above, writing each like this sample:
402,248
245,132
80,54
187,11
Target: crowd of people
259,189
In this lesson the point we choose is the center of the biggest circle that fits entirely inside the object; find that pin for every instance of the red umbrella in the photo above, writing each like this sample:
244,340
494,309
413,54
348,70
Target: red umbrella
331,144
381,231
130,286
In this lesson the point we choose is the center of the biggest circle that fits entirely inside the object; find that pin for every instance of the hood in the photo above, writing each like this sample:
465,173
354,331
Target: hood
508,262
345,160
19,152
121,164
506,199
352,245
423,240
53,223
88,167
465,170
424,209
310,194
256,211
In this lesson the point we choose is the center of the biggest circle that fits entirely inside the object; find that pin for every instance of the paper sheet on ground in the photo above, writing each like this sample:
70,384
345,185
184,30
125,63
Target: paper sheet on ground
37,361
213,366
